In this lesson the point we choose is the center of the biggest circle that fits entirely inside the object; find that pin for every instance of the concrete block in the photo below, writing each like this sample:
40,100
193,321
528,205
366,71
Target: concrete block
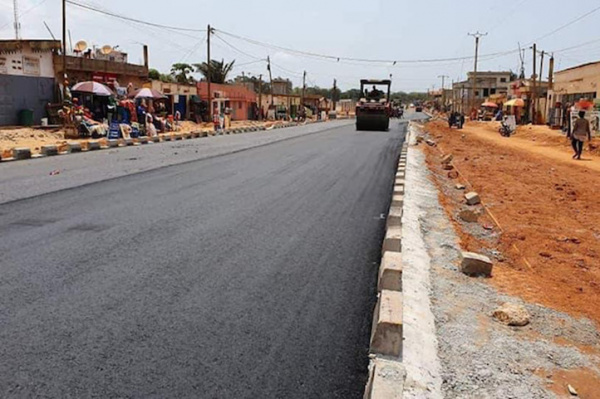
93,145
195,134
400,175
394,218
393,240
469,216
166,137
476,265
386,380
390,272
178,136
49,150
36,156
186,136
204,134
397,200
399,189
128,142
142,140
154,139
113,143
21,153
386,332
74,147
472,198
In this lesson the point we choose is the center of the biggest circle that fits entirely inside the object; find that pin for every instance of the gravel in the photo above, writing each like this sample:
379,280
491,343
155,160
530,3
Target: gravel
480,357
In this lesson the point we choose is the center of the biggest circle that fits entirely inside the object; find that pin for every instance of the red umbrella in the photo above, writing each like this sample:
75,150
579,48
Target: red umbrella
95,88
490,105
148,93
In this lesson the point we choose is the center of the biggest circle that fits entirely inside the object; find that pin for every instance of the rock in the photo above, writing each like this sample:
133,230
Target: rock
447,159
476,264
430,143
453,175
512,314
448,167
460,187
572,390
472,198
469,216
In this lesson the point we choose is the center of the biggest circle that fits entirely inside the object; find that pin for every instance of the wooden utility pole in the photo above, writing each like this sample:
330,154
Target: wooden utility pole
260,97
443,89
534,85
208,73
270,78
303,87
64,49
333,94
537,104
551,73
477,35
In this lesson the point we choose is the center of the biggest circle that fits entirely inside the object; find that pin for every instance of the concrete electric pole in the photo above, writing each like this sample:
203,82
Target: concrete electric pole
534,85
477,35
443,89
17,23
260,97
64,48
270,79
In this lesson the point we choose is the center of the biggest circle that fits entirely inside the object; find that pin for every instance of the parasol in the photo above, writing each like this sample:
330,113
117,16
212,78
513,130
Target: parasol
95,88
489,104
517,102
148,93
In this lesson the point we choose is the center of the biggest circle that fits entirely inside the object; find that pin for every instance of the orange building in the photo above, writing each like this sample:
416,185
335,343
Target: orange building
238,98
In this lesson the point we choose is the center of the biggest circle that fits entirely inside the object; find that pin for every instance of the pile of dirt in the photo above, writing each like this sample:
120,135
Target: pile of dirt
28,137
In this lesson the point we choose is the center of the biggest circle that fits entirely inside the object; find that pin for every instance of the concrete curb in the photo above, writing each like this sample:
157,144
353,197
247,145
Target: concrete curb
94,145
386,371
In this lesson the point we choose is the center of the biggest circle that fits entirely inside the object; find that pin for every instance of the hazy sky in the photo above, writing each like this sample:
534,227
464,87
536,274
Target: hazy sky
376,29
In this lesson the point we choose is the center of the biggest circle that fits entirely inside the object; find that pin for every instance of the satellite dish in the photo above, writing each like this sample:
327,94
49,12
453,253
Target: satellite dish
81,46
106,49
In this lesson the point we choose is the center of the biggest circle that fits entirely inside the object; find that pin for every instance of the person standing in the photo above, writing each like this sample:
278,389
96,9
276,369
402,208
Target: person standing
581,133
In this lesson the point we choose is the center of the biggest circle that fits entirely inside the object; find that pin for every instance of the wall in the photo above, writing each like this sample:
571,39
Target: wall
583,79
24,92
26,62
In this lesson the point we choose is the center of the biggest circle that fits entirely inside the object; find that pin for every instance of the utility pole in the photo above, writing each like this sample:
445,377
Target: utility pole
537,105
303,87
64,48
477,35
533,85
17,23
334,94
208,73
549,105
270,78
260,97
443,89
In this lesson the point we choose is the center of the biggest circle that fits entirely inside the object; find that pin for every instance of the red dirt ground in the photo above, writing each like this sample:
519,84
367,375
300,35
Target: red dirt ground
546,204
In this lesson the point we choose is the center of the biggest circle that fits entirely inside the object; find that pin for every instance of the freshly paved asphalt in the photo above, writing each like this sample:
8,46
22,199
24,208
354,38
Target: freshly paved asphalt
248,275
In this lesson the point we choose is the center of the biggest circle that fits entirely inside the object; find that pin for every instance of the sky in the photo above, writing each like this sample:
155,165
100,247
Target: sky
384,30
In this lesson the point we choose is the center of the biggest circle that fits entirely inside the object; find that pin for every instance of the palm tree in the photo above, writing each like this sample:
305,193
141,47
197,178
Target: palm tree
218,70
180,72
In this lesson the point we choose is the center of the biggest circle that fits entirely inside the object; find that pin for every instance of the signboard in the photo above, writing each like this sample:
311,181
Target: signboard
31,66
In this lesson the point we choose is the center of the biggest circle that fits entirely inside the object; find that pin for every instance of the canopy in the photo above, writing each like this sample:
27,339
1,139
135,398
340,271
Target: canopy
516,102
489,105
148,93
95,88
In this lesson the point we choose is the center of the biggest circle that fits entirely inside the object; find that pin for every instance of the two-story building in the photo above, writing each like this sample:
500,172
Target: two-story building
27,80
488,83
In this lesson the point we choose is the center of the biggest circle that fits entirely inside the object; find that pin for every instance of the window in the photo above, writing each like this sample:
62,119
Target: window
486,92
239,105
493,91
503,80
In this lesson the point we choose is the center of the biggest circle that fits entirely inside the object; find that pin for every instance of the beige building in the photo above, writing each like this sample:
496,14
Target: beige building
573,84
488,83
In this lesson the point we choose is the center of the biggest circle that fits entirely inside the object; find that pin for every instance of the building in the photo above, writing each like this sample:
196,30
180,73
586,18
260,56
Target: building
238,98
27,78
107,69
488,83
179,96
576,83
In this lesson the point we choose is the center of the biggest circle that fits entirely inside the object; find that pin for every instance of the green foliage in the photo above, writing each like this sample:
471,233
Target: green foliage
153,74
218,70
166,78
181,72
266,87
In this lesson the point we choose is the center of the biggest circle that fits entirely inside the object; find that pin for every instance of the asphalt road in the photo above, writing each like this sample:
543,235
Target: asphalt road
248,275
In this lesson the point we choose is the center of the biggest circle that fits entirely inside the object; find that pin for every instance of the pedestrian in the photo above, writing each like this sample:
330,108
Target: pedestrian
581,133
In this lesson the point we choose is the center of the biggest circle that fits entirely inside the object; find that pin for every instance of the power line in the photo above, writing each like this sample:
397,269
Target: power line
139,21
568,24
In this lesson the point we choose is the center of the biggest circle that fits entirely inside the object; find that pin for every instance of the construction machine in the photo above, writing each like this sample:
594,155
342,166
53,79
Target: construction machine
374,109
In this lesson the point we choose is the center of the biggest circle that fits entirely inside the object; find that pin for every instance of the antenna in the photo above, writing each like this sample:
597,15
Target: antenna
521,52
17,23
49,31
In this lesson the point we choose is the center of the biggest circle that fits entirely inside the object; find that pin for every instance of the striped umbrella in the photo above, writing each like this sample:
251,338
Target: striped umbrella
95,88
148,93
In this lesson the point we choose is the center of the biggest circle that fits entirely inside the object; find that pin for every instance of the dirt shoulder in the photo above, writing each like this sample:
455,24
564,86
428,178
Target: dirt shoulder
546,205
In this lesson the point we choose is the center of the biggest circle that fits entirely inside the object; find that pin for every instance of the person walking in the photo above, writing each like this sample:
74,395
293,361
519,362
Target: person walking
581,133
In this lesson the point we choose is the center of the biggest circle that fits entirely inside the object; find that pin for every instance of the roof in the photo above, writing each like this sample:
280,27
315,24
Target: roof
580,66
375,82
35,44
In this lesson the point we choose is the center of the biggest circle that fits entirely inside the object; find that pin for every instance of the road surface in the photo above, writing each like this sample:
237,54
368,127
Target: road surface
243,275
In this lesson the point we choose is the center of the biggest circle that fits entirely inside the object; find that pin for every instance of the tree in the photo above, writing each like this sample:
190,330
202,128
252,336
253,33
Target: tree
218,70
166,78
153,74
180,72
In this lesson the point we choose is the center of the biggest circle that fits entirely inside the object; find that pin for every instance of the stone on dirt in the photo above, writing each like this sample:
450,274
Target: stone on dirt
448,167
512,314
469,216
447,159
460,187
430,143
453,175
472,198
476,265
